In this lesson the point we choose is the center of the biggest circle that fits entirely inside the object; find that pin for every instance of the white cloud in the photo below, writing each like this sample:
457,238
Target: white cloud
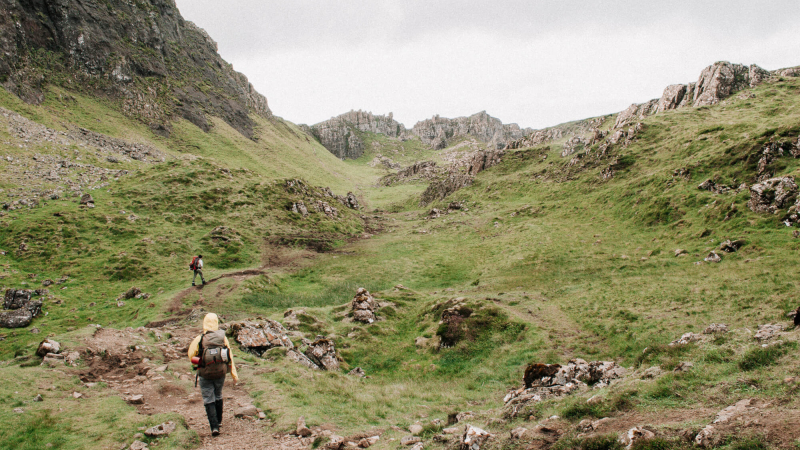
534,63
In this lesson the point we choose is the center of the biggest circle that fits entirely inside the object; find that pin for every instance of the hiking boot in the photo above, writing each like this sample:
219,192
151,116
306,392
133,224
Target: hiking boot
218,405
211,412
192,283
204,282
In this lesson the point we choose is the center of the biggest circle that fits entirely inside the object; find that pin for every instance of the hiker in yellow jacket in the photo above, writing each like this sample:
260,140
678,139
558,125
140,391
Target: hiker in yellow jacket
211,353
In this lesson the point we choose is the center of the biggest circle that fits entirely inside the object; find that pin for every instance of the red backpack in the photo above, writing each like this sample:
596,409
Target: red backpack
193,264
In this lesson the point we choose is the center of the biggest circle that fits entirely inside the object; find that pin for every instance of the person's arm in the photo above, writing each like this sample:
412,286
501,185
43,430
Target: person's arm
194,347
233,366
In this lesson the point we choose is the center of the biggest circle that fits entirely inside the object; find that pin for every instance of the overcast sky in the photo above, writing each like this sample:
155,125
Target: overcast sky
535,63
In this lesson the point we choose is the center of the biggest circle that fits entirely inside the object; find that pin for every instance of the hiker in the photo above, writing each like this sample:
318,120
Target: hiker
211,353
197,266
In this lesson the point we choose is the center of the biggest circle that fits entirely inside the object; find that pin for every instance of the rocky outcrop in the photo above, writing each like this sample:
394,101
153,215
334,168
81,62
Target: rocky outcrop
772,194
460,174
340,134
422,170
437,132
20,307
543,381
144,54
364,306
323,353
259,336
721,79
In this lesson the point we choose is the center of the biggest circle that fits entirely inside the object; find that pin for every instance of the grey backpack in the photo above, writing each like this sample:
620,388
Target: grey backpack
214,355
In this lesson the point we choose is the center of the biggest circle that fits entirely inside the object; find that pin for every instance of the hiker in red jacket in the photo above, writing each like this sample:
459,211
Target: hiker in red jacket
197,266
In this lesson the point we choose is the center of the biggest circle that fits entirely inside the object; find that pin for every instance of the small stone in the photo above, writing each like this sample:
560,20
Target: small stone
138,445
19,410
415,429
261,415
418,446
161,368
368,441
163,429
595,400
48,346
38,398
684,367
473,438
450,430
77,395
137,399
518,433
301,428
410,440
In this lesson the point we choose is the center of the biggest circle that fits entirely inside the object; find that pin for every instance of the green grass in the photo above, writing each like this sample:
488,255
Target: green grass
553,262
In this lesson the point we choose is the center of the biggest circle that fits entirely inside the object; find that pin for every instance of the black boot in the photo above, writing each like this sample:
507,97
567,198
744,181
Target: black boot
218,404
211,412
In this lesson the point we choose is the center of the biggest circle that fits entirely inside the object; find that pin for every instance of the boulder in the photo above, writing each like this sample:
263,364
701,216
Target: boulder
731,246
48,346
351,201
720,80
364,306
132,293
713,257
246,411
473,438
259,336
163,429
137,399
17,298
368,441
16,319
323,352
86,199
770,195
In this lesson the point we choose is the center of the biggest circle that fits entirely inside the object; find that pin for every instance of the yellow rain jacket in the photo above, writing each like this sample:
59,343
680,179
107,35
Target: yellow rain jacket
211,323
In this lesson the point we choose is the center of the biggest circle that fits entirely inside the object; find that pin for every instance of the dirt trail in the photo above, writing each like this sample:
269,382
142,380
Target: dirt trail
122,359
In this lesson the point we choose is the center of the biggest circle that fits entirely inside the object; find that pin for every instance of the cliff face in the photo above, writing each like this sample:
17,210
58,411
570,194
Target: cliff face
339,133
437,131
143,53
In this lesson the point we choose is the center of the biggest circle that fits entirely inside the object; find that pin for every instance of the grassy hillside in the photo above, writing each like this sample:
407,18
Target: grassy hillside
552,261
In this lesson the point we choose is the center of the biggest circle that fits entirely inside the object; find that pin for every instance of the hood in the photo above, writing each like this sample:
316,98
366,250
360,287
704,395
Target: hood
210,323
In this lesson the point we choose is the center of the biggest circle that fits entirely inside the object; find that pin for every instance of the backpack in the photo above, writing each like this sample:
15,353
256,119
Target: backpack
193,264
214,355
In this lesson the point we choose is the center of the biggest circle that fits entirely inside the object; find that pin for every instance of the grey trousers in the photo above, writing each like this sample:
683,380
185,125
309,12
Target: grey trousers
196,272
211,389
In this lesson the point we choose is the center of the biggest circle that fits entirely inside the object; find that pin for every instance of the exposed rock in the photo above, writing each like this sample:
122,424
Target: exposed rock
543,381
635,435
21,317
635,113
260,336
48,346
364,306
323,353
713,257
768,331
163,429
368,441
351,201
731,246
133,292
440,189
410,440
246,411
518,433
712,434
672,97
301,429
415,429
772,194
437,132
340,134
116,47
358,372
473,438
681,252
715,328
16,298
86,199
300,358
424,170
684,367
686,338
138,445
721,79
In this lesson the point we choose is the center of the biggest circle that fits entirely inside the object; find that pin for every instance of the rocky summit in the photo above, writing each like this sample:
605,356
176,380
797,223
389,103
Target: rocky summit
624,281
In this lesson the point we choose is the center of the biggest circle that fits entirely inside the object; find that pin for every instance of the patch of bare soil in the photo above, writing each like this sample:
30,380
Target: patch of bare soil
122,359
